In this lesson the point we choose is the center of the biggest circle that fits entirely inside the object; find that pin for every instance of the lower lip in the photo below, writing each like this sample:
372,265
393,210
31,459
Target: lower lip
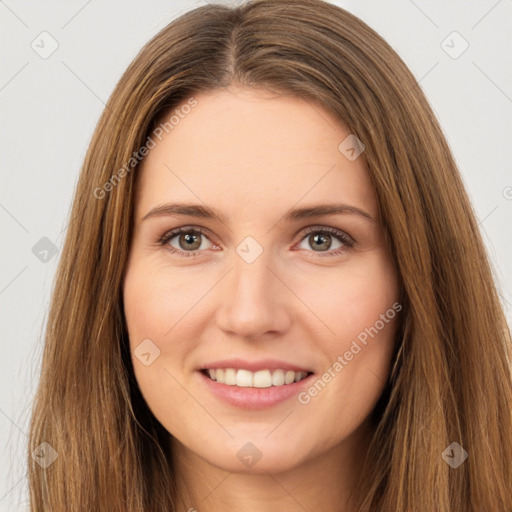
254,398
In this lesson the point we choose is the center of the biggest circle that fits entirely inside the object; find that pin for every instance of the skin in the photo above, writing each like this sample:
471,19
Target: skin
254,155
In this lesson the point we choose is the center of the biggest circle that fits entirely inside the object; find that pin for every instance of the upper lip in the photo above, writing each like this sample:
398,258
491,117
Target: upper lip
254,366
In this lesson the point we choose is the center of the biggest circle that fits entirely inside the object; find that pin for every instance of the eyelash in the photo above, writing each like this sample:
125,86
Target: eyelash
347,241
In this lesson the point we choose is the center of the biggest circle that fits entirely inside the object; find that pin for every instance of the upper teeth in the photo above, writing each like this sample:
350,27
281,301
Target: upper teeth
259,379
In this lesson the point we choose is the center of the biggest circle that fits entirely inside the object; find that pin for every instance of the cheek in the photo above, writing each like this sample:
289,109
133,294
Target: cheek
153,308
154,304
359,304
351,298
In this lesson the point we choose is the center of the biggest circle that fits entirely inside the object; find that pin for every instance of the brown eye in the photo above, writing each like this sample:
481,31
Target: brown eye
321,240
187,242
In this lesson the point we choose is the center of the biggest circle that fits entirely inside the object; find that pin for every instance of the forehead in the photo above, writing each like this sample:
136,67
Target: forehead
252,149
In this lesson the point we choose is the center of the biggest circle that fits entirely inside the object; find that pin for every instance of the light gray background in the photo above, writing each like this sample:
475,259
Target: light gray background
49,108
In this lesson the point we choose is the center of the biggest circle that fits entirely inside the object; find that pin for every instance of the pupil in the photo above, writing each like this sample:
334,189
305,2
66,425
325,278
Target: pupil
318,237
189,239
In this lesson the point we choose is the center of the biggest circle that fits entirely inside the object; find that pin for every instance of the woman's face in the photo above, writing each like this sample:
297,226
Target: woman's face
270,285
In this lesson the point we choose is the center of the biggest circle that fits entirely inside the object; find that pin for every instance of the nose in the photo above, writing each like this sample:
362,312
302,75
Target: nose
254,300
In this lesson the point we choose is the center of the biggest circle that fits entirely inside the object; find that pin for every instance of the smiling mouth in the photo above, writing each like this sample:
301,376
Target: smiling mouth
260,379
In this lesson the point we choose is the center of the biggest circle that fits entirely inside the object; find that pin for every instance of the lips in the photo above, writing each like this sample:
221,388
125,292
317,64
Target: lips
254,384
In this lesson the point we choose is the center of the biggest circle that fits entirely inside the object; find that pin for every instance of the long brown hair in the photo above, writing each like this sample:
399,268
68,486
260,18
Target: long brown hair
452,379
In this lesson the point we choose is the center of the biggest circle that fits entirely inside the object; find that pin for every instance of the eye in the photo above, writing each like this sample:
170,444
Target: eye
188,241
320,238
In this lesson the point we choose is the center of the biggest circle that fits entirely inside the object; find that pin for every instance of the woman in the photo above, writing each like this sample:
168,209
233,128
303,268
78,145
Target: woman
208,346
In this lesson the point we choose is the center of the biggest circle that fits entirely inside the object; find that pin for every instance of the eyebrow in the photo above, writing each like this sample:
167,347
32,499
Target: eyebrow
206,212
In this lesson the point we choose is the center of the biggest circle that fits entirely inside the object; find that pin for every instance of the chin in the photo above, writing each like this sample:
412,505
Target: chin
254,455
